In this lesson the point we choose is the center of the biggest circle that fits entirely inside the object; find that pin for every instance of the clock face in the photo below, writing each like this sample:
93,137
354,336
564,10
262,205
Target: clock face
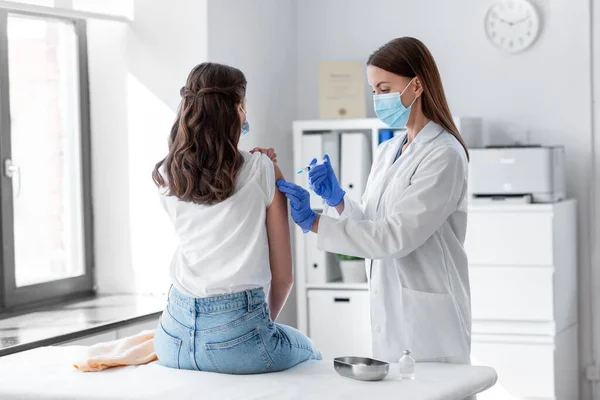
512,25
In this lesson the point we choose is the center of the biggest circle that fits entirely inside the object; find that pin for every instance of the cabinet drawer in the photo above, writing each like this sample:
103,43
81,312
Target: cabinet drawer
509,238
524,370
512,293
339,322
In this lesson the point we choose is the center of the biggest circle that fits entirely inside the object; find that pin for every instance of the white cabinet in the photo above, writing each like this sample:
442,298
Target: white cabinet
510,237
339,322
512,293
318,273
529,367
523,275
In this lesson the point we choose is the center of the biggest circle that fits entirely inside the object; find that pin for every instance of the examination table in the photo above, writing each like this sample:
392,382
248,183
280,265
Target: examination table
47,373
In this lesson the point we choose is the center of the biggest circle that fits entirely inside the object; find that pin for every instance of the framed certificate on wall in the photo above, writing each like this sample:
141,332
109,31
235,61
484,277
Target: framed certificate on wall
342,89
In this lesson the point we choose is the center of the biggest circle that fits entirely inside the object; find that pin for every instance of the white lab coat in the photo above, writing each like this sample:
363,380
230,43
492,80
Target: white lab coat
410,227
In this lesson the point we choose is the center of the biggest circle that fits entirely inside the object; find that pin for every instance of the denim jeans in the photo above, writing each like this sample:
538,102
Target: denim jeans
231,334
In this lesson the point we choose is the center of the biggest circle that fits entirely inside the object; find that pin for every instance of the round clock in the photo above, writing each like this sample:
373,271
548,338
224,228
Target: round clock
512,25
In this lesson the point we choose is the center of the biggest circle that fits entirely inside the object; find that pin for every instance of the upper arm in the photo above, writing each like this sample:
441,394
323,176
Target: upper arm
278,231
278,173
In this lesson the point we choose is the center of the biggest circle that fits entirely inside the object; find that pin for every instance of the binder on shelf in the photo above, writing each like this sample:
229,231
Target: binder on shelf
316,145
322,267
385,135
356,164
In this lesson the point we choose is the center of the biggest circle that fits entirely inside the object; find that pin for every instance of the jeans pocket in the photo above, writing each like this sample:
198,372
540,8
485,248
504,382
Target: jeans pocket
243,355
166,347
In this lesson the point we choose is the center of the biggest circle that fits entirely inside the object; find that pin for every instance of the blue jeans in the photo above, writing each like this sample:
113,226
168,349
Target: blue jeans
231,334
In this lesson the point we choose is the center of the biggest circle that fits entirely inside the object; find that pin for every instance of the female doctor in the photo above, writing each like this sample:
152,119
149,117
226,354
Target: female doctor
411,222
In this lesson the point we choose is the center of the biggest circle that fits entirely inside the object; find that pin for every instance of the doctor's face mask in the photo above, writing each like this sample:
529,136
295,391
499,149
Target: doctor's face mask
390,110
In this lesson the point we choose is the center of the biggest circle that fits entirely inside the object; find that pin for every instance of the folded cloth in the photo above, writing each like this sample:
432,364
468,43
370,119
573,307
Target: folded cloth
132,350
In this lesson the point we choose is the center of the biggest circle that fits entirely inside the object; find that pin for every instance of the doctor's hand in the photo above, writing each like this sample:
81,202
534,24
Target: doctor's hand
324,183
299,198
270,152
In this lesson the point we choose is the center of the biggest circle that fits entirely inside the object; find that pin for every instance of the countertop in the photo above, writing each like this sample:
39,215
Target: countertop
61,323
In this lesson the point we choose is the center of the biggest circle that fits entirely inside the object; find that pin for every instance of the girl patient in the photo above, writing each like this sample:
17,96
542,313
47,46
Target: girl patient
233,239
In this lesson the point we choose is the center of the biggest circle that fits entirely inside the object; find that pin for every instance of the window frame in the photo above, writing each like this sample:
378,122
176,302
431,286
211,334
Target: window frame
11,296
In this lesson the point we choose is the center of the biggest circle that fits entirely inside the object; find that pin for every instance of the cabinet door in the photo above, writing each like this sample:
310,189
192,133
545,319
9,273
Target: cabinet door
339,322
525,370
510,238
512,293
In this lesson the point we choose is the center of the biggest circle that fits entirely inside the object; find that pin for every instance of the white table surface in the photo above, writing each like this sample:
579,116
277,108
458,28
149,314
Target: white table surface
47,373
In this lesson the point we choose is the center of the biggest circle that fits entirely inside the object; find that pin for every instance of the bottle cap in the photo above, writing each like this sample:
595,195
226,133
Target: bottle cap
406,352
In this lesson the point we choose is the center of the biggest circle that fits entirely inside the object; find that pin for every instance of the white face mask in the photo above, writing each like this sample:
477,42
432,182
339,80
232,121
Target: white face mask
390,110
246,125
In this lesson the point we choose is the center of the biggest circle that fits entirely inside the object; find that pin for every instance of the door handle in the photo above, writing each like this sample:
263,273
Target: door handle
10,170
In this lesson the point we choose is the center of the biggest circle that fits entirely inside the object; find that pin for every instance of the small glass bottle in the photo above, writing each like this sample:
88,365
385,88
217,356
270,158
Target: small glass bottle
407,366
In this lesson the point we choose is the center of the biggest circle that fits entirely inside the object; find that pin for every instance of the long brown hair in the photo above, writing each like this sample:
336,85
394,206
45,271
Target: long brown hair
203,160
407,56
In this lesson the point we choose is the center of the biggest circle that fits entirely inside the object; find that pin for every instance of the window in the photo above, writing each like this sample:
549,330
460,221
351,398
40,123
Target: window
114,8
44,150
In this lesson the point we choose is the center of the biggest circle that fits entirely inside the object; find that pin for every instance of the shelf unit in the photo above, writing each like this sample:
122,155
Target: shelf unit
300,128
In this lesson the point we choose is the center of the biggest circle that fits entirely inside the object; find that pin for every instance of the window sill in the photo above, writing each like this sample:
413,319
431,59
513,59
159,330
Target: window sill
70,321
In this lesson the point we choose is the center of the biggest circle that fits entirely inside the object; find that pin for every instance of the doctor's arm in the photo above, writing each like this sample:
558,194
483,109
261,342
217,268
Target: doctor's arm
419,210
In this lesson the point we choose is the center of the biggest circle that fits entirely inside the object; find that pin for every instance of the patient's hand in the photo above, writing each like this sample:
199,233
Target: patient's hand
270,152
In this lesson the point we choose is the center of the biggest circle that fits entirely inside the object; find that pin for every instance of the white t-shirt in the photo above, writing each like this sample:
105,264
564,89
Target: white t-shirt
223,248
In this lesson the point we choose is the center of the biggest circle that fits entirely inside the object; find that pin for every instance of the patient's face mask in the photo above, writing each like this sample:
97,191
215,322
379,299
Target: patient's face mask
245,125
390,110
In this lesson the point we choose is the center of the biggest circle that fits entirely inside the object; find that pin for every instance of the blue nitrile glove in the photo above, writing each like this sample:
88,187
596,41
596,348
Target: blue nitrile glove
324,183
299,198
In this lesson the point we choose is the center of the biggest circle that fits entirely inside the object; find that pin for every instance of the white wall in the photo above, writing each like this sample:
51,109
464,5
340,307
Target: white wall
259,38
164,44
545,90
107,59
136,72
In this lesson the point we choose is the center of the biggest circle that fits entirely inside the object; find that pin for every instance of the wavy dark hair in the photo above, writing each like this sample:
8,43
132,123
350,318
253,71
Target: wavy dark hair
409,57
203,160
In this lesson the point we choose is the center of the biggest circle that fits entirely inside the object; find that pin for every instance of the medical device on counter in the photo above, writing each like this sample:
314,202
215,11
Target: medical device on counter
521,174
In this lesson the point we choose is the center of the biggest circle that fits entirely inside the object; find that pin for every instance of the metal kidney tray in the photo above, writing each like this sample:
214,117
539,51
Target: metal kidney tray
361,368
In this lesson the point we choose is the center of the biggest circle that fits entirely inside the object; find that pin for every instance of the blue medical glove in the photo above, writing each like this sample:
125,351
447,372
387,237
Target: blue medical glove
324,183
299,198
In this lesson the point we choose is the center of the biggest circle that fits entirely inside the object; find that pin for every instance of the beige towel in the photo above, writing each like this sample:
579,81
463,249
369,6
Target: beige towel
132,350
